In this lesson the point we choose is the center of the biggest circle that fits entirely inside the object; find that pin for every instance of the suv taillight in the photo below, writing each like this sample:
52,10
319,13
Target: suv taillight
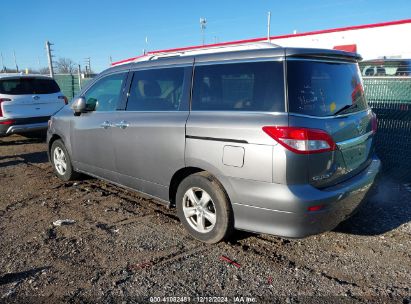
374,123
2,100
65,99
302,140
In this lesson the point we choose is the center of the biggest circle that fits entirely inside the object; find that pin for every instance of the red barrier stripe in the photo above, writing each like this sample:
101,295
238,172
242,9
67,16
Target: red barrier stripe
340,29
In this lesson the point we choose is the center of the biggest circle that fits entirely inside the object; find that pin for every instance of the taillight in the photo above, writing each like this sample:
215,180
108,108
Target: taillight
1,100
302,140
65,99
374,123
315,208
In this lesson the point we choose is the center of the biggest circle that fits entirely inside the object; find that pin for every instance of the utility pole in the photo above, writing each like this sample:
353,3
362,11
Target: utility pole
268,26
3,68
147,46
110,60
15,61
203,23
87,60
50,58
79,77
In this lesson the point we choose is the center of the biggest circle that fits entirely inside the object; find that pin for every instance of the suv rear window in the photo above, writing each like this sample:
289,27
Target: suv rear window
28,85
319,88
251,86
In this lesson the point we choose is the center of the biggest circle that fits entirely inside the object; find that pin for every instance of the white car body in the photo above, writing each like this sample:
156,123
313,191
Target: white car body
27,102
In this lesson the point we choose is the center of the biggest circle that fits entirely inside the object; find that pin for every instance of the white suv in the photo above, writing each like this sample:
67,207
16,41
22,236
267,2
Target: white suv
27,102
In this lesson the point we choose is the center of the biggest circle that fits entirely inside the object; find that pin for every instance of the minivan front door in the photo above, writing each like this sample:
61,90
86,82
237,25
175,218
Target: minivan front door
149,136
92,135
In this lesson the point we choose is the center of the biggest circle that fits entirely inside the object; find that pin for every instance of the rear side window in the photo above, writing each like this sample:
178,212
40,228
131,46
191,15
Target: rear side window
156,90
28,85
256,86
318,88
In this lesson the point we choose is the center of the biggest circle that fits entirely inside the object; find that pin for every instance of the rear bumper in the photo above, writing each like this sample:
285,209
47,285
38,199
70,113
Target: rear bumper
23,125
283,209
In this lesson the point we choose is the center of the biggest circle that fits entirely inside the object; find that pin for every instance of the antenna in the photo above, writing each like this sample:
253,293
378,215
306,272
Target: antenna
203,23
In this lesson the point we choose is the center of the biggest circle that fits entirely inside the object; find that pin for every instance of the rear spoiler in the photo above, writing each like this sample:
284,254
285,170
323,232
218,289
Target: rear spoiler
322,54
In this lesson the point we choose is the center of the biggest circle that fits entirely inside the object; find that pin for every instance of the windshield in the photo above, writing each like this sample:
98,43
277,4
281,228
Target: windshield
319,88
28,85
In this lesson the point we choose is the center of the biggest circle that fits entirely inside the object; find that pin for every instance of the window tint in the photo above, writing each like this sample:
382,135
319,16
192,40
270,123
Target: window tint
324,88
105,94
257,86
156,90
28,85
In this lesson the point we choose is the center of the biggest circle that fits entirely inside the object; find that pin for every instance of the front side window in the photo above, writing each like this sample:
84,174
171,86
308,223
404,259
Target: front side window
255,86
105,94
318,88
156,90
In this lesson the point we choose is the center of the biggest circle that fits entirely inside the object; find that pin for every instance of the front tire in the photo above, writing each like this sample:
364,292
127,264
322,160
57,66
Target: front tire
204,208
61,161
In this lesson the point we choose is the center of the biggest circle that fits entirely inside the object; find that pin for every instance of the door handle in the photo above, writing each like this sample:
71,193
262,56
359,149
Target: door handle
122,124
106,124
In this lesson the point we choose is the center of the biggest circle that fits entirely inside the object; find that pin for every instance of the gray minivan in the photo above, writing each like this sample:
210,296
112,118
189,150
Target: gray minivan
275,140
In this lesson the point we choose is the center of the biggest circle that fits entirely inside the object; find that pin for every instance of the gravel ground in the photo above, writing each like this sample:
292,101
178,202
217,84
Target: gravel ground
124,247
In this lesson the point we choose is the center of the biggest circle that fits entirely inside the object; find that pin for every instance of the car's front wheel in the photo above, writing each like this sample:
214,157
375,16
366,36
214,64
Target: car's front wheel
61,161
204,208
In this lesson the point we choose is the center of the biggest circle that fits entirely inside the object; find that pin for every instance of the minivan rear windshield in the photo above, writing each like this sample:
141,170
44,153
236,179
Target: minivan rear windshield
28,85
320,88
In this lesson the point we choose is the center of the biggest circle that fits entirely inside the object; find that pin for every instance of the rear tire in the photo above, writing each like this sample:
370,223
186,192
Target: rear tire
61,162
204,208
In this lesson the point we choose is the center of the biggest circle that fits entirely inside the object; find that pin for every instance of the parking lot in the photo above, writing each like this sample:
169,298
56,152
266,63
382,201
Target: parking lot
125,247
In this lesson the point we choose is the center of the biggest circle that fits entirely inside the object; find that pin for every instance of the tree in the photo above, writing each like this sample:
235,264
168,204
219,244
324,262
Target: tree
44,71
65,66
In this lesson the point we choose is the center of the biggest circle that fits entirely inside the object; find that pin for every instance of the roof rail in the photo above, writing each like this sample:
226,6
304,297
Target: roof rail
208,49
214,49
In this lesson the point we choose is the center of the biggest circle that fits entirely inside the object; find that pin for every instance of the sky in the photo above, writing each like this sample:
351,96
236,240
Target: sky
100,29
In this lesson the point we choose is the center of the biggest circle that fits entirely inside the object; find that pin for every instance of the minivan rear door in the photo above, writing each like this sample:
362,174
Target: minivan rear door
327,94
30,97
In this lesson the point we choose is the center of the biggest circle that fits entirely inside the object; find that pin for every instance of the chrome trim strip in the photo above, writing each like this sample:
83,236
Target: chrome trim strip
239,141
26,128
354,141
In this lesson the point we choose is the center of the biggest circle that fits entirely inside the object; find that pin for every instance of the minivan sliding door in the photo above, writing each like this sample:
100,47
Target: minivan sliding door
149,135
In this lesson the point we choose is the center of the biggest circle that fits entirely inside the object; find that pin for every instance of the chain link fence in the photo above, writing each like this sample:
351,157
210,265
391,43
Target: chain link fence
390,99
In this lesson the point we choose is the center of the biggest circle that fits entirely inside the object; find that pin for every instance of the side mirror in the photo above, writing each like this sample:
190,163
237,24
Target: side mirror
79,106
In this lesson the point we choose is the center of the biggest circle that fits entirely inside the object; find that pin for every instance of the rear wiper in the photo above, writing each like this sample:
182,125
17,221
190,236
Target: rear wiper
346,107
